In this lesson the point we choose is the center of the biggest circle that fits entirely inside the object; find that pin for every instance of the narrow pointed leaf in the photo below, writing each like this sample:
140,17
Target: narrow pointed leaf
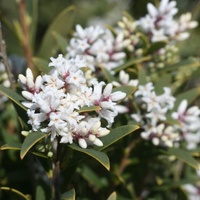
41,64
155,47
48,46
30,141
113,196
40,193
183,155
12,95
117,134
11,146
89,109
129,90
97,155
61,42
108,76
189,95
131,63
69,195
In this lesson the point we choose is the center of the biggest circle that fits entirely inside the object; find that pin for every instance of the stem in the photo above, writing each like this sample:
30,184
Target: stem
5,60
26,36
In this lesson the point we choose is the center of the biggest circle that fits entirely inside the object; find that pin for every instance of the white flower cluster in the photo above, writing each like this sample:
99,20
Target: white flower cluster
5,82
188,123
98,46
160,24
152,115
54,103
153,112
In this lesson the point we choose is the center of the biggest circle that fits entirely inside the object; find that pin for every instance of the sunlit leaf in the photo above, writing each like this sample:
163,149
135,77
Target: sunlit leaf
117,134
183,155
89,109
48,46
69,195
30,141
24,196
97,155
113,196
132,63
129,90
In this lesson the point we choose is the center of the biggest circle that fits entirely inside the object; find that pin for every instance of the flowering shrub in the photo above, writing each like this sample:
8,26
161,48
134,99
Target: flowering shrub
118,89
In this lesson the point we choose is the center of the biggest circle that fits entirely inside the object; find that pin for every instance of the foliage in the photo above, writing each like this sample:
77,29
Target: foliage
106,111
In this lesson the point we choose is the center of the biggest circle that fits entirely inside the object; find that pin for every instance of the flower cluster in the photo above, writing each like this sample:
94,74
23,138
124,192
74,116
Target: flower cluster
154,112
57,103
188,123
98,46
160,24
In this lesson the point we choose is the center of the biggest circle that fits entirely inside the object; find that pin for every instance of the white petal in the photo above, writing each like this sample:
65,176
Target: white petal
182,107
82,143
98,142
108,89
116,96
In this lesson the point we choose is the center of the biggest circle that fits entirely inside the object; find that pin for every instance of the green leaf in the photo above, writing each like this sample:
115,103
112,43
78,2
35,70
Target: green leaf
108,76
117,134
189,95
89,109
92,177
61,42
31,140
62,24
17,146
132,62
69,195
184,63
24,196
129,90
11,146
183,155
40,193
113,196
142,76
41,64
97,155
163,81
155,47
13,96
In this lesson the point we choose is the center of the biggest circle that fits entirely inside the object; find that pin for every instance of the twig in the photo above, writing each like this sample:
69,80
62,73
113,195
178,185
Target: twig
26,34
5,60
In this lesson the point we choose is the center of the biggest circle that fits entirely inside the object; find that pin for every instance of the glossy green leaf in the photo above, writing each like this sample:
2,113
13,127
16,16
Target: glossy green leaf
17,146
41,64
113,196
61,42
129,90
69,195
30,141
11,146
97,155
89,109
48,46
132,62
183,155
189,95
12,95
155,47
117,134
